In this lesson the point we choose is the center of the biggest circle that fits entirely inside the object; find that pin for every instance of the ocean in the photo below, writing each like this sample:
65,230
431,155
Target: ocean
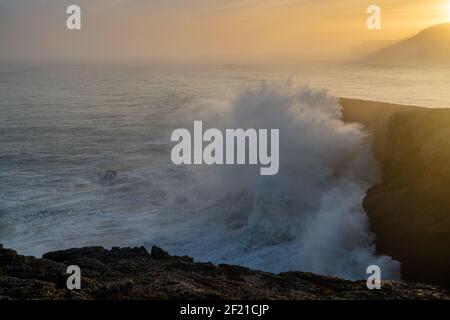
85,160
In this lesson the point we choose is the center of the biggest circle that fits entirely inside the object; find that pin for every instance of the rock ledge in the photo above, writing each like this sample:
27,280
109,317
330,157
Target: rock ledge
133,273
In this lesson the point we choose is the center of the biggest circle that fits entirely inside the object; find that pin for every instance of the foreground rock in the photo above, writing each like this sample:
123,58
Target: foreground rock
133,273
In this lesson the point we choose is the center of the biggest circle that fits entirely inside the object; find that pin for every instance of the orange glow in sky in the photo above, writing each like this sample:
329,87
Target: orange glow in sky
202,29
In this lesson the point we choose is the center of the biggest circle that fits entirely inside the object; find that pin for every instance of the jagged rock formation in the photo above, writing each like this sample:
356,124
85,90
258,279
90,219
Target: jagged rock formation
409,210
133,273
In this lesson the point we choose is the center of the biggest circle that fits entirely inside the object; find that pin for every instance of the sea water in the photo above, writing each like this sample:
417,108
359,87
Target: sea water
85,160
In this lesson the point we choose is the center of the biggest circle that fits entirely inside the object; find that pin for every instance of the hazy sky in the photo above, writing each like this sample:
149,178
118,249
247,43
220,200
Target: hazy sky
231,30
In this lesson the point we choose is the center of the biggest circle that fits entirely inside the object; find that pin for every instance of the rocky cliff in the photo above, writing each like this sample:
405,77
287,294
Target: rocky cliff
409,210
133,273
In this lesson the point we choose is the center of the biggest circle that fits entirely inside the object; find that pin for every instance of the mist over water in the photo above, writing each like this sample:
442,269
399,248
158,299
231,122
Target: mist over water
85,160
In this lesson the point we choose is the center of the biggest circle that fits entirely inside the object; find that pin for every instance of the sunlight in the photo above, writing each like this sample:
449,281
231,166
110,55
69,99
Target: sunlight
444,8
448,11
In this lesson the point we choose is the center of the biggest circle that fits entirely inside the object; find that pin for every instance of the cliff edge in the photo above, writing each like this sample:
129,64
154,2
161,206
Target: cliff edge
409,210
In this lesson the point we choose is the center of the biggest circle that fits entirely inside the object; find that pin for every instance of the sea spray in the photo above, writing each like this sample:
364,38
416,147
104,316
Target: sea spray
309,216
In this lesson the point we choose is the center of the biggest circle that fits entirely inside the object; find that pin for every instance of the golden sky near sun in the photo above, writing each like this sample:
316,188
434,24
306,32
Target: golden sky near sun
208,29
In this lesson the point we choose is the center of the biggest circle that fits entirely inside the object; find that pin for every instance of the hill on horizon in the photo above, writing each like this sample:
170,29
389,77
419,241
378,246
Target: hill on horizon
430,46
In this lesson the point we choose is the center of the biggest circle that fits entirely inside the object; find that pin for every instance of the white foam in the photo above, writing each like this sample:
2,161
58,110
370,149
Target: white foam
308,217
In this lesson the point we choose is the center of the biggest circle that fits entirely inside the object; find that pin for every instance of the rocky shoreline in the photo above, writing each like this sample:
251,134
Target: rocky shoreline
136,274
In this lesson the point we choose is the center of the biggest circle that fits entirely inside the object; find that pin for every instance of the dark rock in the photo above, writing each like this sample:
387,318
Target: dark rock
187,258
130,252
7,256
14,288
158,253
409,209
131,273
108,177
91,267
99,254
71,254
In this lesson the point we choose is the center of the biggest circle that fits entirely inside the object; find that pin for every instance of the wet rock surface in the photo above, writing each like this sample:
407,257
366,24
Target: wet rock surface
133,273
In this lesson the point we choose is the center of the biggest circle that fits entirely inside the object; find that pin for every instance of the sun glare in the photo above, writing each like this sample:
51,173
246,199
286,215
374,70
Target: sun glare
447,10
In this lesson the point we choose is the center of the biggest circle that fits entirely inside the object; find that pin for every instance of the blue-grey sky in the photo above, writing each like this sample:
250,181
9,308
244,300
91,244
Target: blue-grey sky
203,29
